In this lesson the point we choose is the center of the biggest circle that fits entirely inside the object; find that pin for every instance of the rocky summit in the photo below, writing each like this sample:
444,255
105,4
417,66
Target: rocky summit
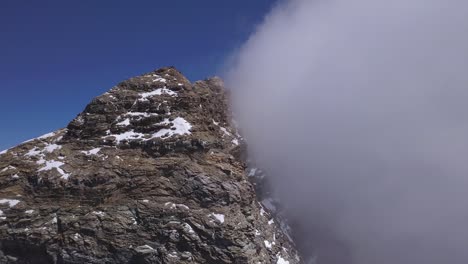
152,171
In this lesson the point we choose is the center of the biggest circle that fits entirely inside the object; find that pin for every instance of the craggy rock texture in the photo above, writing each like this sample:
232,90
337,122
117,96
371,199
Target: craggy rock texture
149,172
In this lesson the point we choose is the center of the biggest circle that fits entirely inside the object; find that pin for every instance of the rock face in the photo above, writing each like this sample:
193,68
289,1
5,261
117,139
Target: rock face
149,172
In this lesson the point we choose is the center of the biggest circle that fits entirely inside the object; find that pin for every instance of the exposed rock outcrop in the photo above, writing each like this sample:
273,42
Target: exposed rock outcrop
149,172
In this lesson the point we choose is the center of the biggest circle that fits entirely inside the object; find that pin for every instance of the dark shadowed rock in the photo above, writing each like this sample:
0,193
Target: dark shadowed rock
149,172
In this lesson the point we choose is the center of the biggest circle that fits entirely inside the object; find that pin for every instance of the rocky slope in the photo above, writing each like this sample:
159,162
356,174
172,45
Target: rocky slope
150,172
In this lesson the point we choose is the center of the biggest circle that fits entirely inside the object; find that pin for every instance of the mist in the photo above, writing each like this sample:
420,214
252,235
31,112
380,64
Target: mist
358,112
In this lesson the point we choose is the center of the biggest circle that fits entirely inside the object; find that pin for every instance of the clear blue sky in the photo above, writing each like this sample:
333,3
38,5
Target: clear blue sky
55,56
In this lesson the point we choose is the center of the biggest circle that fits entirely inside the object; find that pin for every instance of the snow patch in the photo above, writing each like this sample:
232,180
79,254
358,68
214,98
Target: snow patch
49,148
173,255
48,135
11,202
8,168
281,260
33,152
226,133
126,122
159,91
145,247
160,79
141,114
53,164
4,151
262,211
93,151
128,135
268,244
180,127
29,211
219,217
52,147
176,206
99,213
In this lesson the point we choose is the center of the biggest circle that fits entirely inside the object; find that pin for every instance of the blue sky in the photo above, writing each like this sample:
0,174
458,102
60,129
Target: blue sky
55,56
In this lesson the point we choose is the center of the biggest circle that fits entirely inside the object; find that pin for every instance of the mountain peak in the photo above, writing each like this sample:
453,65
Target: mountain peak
149,172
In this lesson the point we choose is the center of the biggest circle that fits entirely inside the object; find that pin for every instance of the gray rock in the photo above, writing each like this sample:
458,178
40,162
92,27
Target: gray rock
149,172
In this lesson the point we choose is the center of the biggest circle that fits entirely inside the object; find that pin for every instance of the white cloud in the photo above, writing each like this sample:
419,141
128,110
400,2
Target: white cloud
358,111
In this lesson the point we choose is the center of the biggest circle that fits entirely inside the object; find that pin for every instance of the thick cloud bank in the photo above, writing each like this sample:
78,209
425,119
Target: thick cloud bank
358,110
